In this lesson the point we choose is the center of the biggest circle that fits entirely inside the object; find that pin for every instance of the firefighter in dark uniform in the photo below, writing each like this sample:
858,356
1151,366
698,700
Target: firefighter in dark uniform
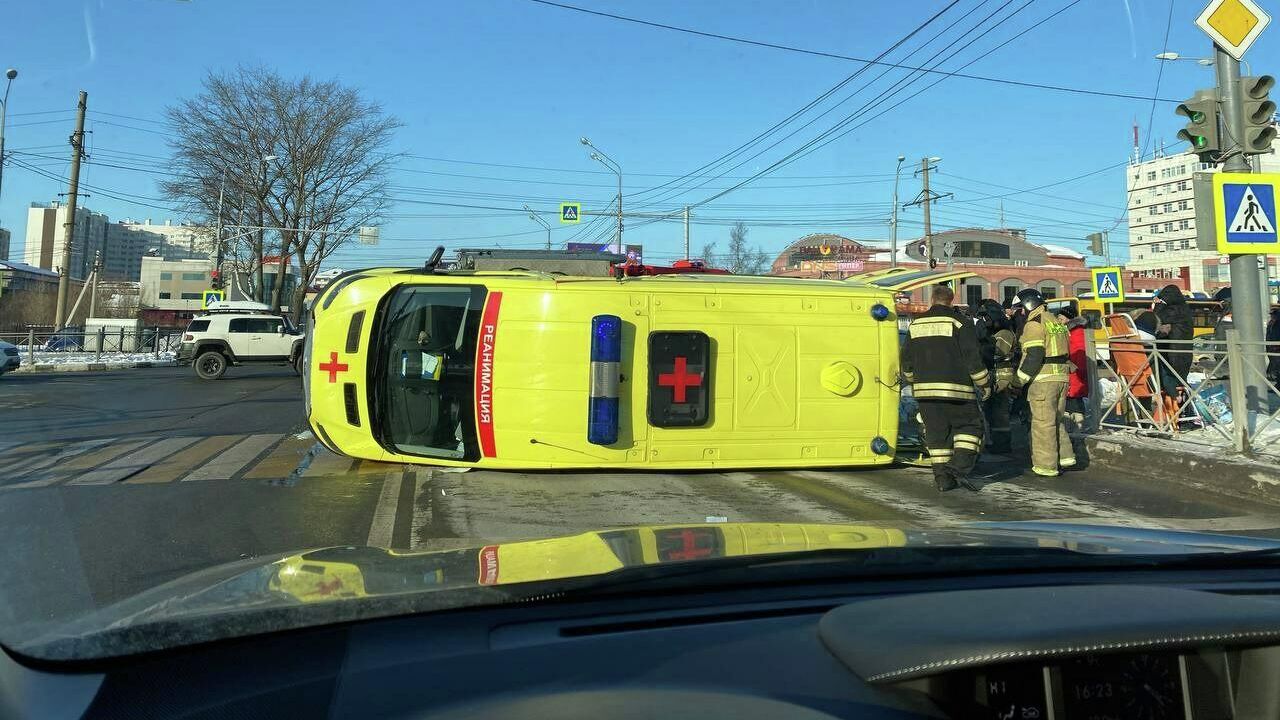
1044,373
999,347
941,361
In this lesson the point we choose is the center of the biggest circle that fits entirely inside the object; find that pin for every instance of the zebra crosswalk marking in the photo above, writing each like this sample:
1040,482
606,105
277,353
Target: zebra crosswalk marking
184,461
281,461
328,464
80,463
19,459
28,466
230,462
132,463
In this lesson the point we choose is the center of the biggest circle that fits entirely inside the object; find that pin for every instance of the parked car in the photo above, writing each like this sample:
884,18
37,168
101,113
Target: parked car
10,358
238,333
65,340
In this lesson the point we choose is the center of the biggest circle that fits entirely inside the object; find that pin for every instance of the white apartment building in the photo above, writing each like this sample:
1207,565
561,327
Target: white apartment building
1162,225
46,231
121,245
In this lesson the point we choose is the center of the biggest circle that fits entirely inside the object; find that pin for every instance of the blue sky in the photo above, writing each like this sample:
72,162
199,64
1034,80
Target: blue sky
499,83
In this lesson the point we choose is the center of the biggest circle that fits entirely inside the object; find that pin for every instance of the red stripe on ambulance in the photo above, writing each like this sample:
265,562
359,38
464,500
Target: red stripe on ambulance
484,373
488,565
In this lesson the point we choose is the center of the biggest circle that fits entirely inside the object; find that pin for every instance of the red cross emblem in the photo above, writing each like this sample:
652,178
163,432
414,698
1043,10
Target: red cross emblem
328,588
333,367
680,380
689,547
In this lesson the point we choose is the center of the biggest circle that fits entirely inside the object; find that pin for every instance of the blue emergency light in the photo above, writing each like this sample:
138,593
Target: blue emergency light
880,446
606,359
879,312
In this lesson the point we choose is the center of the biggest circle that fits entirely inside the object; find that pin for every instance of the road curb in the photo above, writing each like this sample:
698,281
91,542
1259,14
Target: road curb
1205,470
92,367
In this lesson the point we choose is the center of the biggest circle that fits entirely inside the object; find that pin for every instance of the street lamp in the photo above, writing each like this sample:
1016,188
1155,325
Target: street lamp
4,107
536,218
1171,56
893,220
608,162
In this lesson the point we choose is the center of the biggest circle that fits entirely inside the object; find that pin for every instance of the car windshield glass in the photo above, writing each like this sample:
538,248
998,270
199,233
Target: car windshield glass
423,371
296,295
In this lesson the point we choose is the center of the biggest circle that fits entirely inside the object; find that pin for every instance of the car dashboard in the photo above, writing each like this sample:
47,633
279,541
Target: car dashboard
1032,646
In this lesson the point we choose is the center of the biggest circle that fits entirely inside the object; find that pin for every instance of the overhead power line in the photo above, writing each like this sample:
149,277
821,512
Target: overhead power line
838,56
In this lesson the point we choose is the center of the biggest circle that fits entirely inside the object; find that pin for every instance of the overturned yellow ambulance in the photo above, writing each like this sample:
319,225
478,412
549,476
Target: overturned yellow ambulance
530,370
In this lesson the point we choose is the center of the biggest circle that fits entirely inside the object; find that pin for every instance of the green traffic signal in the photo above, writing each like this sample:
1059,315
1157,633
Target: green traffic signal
1201,131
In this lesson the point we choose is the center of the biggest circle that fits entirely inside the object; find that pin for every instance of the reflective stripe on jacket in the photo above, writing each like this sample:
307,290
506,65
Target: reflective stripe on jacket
940,357
1044,349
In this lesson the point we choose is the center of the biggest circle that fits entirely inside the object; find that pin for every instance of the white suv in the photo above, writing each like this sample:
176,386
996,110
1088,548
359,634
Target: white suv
233,334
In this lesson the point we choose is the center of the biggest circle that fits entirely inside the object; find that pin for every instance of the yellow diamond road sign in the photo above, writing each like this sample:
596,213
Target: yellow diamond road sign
1233,24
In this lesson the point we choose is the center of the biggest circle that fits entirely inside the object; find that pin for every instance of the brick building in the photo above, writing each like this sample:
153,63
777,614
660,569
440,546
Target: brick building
1004,260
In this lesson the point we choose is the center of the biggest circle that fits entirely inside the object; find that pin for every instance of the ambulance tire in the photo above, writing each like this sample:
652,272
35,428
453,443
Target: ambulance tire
210,365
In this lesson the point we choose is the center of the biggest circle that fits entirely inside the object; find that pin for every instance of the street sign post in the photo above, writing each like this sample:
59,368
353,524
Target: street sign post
211,296
1108,284
1233,24
570,213
1244,213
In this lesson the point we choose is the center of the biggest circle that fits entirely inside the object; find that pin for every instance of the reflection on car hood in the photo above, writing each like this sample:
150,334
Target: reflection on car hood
278,591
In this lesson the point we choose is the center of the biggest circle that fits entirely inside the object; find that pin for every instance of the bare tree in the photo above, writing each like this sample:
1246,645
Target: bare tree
306,157
739,258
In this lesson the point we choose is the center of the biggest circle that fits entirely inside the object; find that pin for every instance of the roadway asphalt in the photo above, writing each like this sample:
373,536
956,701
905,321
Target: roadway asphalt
114,482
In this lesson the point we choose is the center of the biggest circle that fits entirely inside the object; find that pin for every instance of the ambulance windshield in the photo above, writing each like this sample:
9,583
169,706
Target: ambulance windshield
423,350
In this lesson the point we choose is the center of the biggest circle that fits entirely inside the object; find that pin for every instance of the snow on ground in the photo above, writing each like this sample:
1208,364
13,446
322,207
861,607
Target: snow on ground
68,358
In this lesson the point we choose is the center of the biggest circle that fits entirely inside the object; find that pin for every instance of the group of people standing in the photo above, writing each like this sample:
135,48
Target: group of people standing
967,373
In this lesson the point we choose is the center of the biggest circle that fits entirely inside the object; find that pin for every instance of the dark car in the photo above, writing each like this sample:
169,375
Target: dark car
65,340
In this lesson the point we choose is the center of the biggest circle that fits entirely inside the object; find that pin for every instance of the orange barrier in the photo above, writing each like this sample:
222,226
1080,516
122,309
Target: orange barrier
1132,358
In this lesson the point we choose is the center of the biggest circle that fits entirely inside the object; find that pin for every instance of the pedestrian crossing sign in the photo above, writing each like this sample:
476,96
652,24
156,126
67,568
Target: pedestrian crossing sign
211,296
1108,284
1245,212
570,213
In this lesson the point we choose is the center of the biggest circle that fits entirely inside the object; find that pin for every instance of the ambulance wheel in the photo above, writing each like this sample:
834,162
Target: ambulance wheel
210,365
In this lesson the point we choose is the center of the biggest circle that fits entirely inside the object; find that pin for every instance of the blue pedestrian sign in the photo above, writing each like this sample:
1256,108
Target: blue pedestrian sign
211,296
1108,285
1245,212
570,213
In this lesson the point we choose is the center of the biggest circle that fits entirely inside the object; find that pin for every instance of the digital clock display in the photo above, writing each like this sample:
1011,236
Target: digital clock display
1144,686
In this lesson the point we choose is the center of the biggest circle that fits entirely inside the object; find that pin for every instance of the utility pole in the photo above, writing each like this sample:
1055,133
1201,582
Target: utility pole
893,217
1246,290
73,192
928,225
924,200
686,232
93,284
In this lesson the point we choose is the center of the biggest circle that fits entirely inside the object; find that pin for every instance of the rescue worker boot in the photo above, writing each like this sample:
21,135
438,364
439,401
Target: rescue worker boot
943,480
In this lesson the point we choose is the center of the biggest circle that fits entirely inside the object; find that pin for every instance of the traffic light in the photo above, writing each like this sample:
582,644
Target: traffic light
1259,114
215,280
1201,112
1095,243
